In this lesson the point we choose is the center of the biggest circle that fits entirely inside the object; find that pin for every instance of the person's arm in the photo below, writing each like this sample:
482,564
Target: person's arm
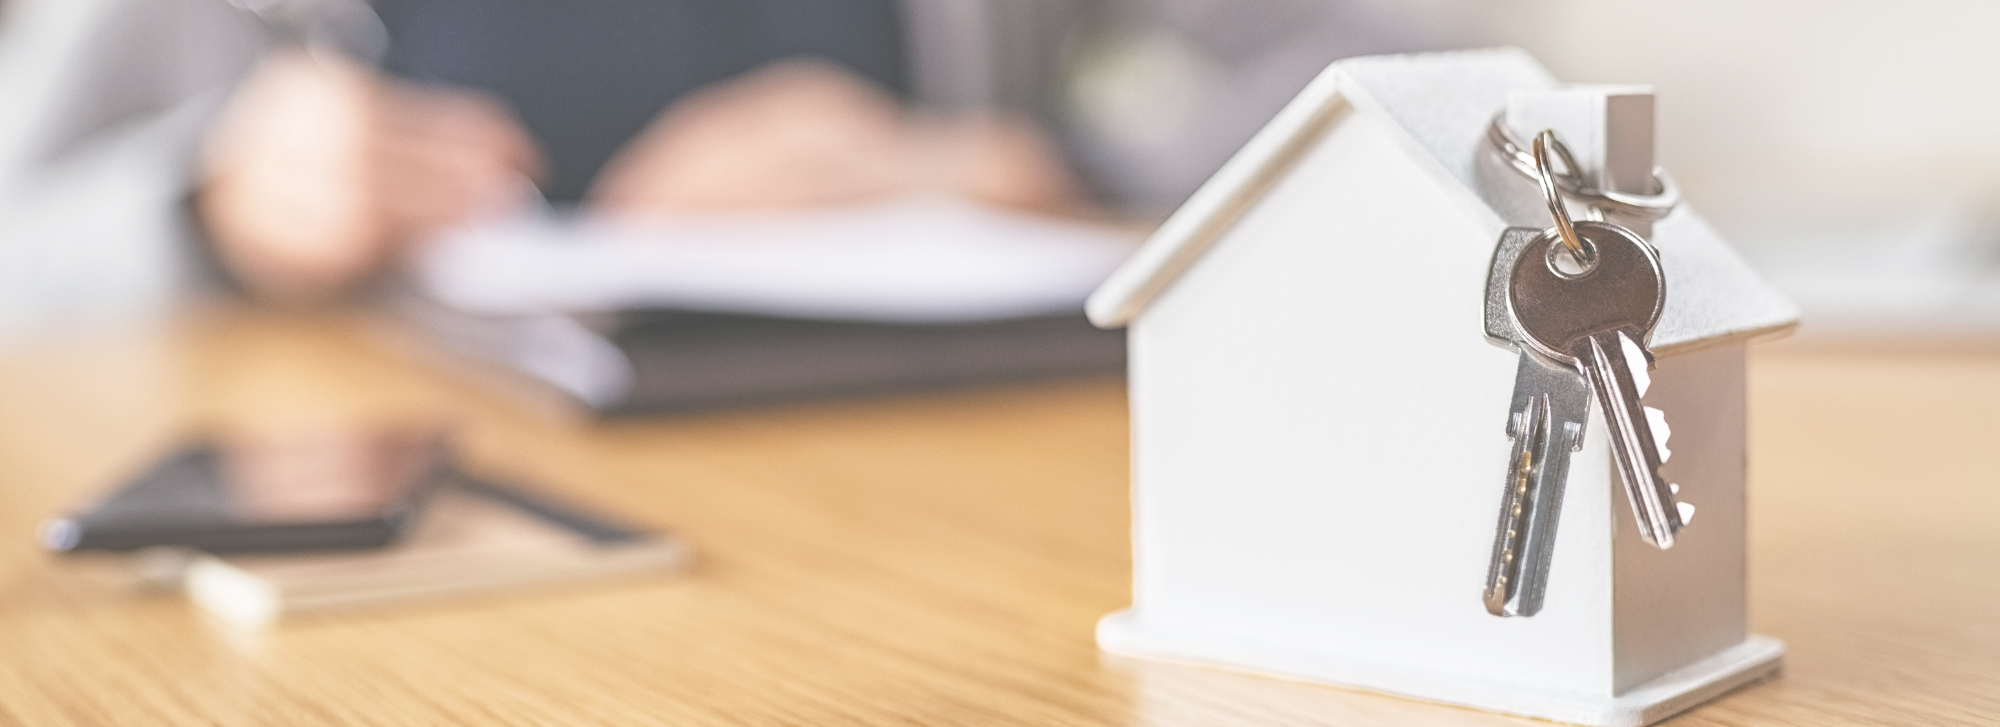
101,106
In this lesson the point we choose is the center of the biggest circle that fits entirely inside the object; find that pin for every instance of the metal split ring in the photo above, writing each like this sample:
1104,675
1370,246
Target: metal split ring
1570,180
1546,173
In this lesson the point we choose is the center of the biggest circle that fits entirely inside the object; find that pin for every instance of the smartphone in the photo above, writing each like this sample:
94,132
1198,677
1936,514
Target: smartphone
295,490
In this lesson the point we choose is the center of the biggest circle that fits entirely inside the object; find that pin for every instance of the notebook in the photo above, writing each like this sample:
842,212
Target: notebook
472,538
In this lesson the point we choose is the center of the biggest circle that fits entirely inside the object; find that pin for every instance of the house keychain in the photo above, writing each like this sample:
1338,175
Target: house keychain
1579,301
1275,532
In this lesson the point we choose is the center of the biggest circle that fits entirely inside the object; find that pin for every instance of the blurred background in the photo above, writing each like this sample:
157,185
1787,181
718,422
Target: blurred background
1845,146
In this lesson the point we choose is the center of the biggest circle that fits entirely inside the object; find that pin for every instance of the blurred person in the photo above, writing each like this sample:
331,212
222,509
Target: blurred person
320,169
150,146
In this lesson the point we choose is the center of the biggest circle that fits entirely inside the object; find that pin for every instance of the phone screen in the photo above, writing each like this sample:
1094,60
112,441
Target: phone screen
326,476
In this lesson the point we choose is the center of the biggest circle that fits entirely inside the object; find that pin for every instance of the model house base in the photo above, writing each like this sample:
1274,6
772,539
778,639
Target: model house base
1757,657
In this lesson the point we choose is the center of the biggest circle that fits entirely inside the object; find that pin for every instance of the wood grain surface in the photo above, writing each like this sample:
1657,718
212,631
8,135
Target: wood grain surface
920,560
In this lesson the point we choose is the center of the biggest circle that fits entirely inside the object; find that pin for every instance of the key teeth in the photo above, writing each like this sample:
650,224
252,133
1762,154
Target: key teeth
1686,510
1661,432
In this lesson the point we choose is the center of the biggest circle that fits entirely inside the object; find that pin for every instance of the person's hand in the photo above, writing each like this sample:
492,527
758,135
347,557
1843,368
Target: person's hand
795,134
1001,160
806,134
319,169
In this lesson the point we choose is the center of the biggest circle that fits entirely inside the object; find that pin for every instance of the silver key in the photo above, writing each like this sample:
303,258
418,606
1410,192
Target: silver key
1551,404
1599,320
1546,419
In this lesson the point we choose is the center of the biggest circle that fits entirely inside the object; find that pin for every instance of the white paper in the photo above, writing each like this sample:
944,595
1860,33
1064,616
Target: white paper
917,259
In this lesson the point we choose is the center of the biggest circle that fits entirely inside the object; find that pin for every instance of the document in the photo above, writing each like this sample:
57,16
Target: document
924,259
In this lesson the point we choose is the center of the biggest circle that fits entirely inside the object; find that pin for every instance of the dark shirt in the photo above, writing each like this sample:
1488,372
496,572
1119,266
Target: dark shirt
585,76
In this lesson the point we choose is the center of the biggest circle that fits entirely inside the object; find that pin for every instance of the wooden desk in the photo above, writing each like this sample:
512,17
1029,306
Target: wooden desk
924,560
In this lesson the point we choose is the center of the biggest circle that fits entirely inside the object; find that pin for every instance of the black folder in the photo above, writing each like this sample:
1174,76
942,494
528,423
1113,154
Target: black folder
669,362
685,361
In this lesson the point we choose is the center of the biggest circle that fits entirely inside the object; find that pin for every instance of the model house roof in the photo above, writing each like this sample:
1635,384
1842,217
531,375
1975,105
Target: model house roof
1442,103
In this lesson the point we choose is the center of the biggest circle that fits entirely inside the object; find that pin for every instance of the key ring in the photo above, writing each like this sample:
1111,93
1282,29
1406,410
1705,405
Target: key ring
1642,206
1546,174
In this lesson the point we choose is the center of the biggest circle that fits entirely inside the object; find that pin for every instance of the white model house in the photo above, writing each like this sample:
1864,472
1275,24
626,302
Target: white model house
1319,422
